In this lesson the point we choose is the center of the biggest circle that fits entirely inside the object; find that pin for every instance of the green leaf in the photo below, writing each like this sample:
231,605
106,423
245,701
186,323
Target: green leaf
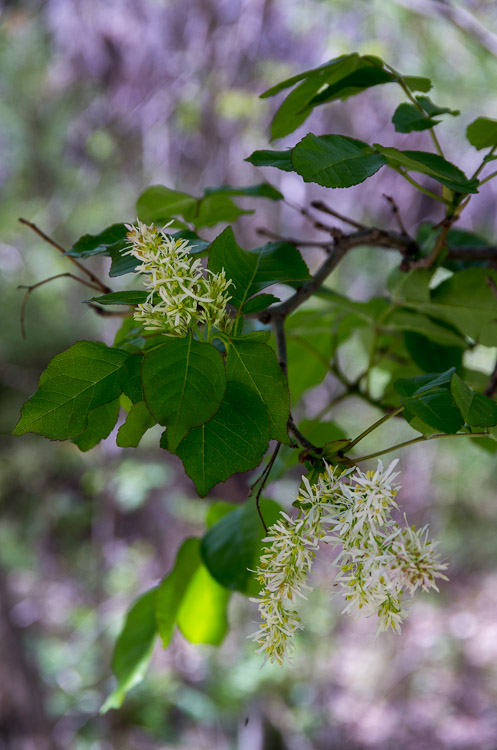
254,270
196,245
101,422
130,297
231,548
215,208
437,409
256,366
408,118
418,83
309,349
429,164
172,588
158,204
266,158
433,110
482,133
335,160
423,383
366,76
202,616
131,378
431,356
138,421
331,65
466,300
184,383
262,190
133,649
439,331
258,303
477,409
112,242
234,440
75,382
297,106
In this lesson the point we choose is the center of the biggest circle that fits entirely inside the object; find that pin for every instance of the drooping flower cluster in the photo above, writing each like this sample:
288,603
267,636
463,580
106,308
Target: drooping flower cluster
380,564
182,292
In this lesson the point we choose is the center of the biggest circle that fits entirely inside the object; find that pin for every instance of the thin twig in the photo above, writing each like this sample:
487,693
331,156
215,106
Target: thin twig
278,323
396,213
420,439
101,286
293,240
32,287
322,206
263,481
292,427
108,313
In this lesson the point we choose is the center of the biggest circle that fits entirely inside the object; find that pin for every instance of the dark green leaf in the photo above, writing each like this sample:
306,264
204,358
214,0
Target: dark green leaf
309,349
477,410
75,382
431,356
138,421
438,331
101,422
202,615
433,110
251,271
265,158
429,164
331,65
258,303
196,245
131,297
112,242
297,106
423,383
262,190
482,133
232,547
158,204
172,588
234,440
407,118
133,649
335,160
437,409
131,378
184,383
366,76
256,366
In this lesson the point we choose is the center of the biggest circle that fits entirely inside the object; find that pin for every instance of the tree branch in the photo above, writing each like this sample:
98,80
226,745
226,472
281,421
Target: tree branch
101,286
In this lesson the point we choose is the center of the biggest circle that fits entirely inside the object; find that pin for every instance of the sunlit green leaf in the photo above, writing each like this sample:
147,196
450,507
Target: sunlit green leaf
335,160
138,421
171,590
202,615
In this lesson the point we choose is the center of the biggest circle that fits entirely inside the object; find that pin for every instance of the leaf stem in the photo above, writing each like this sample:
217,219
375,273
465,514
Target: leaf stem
420,187
374,427
488,178
422,438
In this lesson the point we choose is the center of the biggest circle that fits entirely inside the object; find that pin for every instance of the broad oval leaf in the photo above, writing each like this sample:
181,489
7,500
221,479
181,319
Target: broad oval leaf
256,366
138,421
335,161
101,422
408,118
184,383
265,158
133,649
254,270
437,409
482,132
234,440
478,410
158,203
202,615
433,165
231,548
171,590
75,382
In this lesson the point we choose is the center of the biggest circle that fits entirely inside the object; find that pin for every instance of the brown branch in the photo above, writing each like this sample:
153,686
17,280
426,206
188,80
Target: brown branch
262,479
108,313
278,323
293,240
31,288
396,213
322,206
101,286
292,427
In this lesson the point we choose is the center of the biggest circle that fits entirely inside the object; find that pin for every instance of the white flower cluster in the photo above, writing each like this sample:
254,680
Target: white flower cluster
182,292
378,564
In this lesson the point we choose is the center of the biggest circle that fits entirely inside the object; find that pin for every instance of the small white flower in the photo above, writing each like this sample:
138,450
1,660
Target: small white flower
378,563
182,294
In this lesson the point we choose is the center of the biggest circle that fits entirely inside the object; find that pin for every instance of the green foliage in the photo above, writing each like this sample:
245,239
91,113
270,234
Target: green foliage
184,383
224,394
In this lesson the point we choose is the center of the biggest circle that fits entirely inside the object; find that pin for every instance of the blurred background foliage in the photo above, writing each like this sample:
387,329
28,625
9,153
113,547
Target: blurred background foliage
98,101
